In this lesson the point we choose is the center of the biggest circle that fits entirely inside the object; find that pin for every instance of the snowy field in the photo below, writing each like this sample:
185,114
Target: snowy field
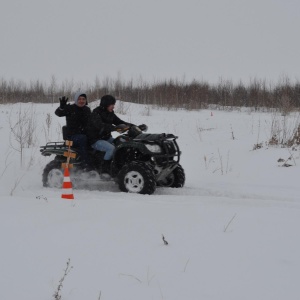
232,230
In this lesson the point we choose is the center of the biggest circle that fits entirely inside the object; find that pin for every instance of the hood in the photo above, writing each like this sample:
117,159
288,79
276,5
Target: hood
77,94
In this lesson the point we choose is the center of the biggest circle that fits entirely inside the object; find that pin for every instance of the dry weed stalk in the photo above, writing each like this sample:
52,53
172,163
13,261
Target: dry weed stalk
228,224
132,276
164,240
57,293
99,296
186,265
17,182
6,165
149,279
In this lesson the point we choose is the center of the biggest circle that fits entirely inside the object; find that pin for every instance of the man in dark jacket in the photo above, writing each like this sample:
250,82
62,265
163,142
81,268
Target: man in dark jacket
102,122
77,116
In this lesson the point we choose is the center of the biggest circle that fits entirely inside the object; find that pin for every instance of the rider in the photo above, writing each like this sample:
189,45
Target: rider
102,122
77,116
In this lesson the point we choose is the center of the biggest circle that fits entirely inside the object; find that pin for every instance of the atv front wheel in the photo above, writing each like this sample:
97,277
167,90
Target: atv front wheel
137,177
53,174
175,180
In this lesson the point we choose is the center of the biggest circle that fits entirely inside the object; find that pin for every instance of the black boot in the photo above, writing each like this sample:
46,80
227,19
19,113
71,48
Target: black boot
106,166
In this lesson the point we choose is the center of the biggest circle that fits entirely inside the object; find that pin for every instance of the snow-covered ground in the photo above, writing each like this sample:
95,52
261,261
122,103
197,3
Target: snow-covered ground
232,230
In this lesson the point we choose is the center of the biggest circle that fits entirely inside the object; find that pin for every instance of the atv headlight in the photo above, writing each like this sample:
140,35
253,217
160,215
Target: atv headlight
153,148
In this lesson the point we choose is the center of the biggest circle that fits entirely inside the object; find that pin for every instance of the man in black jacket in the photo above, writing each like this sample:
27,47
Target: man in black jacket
77,116
102,122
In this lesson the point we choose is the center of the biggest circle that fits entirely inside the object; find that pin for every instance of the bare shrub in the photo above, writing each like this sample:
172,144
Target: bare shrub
285,105
122,108
32,158
59,131
287,162
221,168
284,130
52,90
295,139
146,111
257,146
48,125
22,130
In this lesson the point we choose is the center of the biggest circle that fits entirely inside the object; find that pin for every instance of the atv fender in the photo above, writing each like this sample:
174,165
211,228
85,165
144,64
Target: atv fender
132,145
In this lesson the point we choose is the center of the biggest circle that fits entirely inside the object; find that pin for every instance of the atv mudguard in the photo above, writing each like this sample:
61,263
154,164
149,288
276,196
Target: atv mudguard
133,145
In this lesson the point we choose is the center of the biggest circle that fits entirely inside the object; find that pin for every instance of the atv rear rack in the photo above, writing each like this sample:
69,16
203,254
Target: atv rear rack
53,146
57,148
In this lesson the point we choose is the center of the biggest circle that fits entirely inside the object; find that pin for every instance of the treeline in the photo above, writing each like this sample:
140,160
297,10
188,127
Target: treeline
173,94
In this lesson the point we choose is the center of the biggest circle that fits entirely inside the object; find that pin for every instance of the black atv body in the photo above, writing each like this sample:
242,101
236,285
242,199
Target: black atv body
141,161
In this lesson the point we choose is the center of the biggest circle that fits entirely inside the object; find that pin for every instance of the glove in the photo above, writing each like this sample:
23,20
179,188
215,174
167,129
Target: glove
121,128
63,102
143,127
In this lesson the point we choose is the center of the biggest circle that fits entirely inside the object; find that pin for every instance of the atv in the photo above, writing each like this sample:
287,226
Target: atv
141,161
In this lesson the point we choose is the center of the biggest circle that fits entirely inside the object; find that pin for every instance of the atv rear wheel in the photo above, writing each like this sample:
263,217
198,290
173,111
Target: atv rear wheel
53,174
137,177
175,180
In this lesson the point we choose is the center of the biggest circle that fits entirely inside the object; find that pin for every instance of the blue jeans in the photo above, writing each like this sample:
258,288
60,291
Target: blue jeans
105,146
80,142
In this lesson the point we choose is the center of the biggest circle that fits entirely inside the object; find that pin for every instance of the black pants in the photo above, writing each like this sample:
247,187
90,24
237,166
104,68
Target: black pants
80,142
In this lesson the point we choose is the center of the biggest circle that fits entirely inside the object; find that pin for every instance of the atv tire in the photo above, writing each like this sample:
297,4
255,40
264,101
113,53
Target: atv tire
53,174
175,180
137,177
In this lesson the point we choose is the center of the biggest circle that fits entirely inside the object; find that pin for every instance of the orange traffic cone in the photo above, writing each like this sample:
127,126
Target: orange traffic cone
67,186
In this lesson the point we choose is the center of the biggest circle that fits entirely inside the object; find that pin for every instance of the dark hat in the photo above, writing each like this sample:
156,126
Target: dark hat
107,100
82,95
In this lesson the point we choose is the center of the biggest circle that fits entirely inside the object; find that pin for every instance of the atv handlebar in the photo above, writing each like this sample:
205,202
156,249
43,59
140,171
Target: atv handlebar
136,129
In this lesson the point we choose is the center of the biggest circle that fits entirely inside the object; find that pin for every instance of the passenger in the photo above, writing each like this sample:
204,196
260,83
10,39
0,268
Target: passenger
77,116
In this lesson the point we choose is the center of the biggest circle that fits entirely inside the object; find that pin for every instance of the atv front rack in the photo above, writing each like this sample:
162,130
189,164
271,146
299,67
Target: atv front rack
169,146
154,137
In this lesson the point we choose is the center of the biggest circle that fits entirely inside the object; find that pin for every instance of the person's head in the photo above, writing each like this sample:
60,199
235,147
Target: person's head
80,99
108,103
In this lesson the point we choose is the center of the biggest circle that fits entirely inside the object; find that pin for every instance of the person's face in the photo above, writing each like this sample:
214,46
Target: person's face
81,101
110,108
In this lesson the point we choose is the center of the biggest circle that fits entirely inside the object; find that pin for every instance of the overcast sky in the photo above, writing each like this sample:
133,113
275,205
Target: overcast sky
154,39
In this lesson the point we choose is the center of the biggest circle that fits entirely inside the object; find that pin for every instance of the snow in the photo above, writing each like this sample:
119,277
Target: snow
232,230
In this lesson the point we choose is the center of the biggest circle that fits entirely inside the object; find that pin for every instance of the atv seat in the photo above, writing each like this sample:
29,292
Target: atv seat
64,133
65,137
